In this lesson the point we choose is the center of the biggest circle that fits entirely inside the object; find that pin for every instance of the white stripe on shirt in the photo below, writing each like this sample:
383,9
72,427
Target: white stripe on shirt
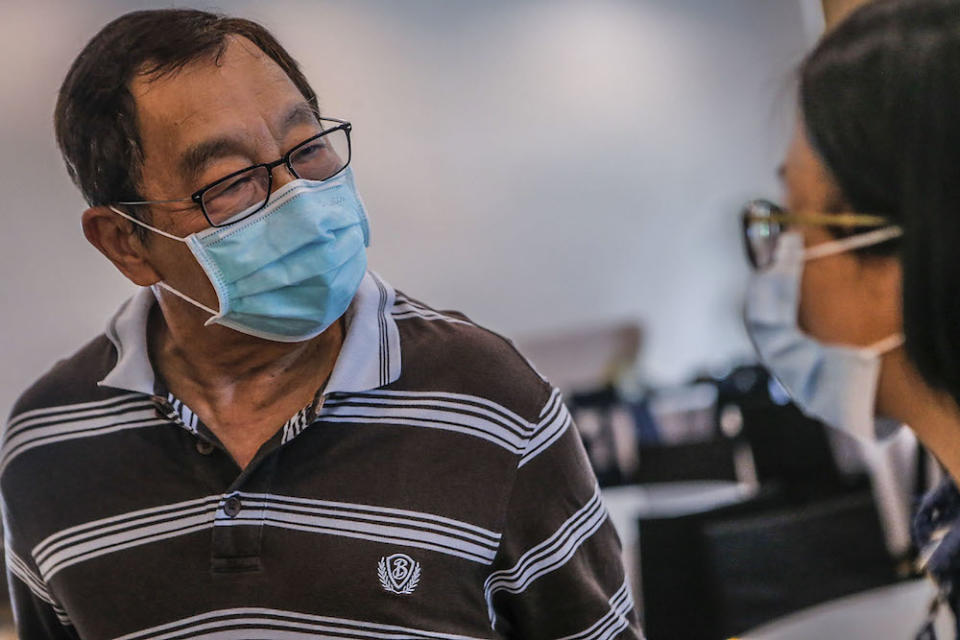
548,555
613,622
37,586
378,524
258,622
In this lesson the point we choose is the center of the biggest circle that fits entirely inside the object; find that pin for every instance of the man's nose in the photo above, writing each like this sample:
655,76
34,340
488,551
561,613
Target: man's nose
282,176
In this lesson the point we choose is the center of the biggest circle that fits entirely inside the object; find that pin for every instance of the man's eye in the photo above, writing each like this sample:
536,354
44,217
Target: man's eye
310,150
236,185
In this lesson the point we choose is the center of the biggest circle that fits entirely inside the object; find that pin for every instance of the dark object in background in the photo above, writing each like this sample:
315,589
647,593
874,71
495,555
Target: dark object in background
749,431
601,402
822,551
789,449
721,572
677,600
709,460
812,534
757,436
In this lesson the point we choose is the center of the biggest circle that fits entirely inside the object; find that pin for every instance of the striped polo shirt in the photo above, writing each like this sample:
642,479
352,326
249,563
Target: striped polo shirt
436,488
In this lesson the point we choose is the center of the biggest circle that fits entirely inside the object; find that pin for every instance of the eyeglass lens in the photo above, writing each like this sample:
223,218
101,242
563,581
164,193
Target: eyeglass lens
318,159
761,232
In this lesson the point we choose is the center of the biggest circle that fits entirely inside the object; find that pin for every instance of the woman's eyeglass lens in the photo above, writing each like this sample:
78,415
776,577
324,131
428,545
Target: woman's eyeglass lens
761,231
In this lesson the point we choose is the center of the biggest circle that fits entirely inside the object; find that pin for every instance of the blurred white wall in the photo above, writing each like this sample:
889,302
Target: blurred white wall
538,165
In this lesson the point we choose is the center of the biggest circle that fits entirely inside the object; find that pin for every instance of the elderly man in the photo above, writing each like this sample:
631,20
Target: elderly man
269,440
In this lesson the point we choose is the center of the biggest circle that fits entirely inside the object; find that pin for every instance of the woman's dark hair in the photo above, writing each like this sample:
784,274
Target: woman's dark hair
880,98
96,118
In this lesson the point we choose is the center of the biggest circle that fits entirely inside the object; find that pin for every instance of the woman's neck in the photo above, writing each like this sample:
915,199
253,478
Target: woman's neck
931,414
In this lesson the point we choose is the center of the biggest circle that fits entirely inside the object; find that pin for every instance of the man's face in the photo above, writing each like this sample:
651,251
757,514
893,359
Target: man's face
197,125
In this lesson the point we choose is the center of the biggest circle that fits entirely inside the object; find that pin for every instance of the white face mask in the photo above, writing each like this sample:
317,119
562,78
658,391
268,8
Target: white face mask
835,384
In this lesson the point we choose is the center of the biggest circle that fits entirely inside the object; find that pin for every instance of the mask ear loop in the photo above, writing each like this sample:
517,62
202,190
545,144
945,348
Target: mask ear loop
184,296
888,344
162,284
858,241
145,225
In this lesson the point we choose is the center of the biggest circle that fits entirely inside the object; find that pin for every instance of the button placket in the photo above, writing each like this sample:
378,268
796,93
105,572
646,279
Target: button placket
238,530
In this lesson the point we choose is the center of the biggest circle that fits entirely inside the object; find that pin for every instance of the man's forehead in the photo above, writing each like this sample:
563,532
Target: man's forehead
239,82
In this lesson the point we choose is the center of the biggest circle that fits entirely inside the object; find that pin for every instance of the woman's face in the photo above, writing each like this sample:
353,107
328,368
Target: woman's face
846,298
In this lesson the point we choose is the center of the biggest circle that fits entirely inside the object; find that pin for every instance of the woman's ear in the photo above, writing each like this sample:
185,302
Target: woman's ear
117,239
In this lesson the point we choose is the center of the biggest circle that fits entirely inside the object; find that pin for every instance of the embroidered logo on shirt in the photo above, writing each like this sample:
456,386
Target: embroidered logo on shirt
399,573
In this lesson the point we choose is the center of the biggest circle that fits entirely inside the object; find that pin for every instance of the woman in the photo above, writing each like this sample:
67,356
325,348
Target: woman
855,303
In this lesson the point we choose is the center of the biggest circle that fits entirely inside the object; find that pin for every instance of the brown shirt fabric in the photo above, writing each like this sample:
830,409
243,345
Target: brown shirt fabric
436,489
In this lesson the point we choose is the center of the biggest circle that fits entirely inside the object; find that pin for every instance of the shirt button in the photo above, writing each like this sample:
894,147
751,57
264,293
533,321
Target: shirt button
205,447
232,506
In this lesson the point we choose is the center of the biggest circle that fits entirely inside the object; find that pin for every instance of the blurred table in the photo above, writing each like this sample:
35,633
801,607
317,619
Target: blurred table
894,612
666,499
629,503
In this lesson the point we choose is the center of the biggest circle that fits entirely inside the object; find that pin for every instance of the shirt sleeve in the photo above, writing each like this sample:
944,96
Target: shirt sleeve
558,572
35,611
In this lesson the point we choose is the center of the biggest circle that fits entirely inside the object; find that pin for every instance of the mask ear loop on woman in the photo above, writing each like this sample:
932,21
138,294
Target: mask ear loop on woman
860,241
887,345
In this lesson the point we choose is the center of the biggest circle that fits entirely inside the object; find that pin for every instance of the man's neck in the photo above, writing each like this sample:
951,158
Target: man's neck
219,363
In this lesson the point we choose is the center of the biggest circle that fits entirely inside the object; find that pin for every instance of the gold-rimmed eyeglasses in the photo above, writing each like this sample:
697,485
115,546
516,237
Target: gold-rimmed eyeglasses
763,222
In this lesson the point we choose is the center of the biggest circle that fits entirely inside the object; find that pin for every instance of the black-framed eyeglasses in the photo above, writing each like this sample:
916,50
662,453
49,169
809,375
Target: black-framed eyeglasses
247,191
762,223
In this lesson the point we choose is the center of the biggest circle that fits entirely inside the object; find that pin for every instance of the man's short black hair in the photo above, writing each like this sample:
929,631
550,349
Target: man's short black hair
96,119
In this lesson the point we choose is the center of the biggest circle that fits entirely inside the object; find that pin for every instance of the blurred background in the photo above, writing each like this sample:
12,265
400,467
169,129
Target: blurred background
537,165
567,173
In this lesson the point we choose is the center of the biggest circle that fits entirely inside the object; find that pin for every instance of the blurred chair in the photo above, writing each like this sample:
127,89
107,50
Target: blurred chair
587,365
584,359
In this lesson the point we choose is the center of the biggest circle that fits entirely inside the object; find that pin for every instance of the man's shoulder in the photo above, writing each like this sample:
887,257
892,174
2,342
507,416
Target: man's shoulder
445,350
72,380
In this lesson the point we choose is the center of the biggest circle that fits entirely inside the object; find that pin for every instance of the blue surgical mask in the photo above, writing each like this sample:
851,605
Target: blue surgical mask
836,384
289,271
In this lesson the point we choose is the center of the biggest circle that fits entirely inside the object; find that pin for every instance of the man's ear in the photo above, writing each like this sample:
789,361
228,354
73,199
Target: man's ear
117,239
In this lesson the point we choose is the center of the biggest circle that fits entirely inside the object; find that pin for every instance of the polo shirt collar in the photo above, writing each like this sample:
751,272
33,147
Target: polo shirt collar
369,357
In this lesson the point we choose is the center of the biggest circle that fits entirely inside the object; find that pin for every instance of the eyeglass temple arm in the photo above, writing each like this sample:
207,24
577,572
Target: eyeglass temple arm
824,219
131,202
